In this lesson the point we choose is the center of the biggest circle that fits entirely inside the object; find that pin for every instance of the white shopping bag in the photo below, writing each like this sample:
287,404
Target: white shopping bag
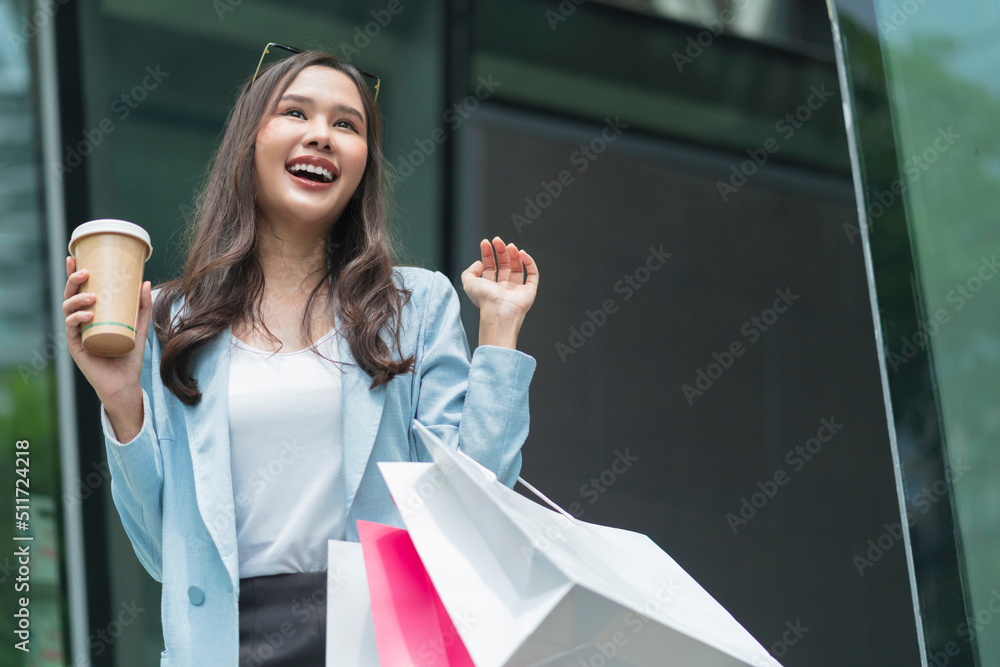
350,634
533,586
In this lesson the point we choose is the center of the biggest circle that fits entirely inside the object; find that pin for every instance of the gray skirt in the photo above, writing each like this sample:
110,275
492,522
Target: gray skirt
283,620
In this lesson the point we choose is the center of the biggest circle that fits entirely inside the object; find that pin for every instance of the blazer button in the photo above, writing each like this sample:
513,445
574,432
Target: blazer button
196,595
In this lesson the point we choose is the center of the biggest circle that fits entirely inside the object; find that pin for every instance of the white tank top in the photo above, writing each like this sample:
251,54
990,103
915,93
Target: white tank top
285,427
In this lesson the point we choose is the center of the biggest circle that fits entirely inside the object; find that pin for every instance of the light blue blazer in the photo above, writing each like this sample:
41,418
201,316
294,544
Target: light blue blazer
172,484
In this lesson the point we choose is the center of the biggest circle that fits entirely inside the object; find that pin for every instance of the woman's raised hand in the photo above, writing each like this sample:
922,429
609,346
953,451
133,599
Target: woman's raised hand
115,379
502,289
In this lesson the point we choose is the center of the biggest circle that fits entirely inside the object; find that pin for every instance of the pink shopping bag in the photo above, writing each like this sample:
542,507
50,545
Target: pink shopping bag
411,624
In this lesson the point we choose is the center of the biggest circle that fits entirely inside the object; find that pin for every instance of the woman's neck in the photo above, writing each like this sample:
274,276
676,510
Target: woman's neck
292,263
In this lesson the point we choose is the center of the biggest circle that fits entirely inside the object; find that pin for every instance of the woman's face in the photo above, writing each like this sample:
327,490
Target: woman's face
312,151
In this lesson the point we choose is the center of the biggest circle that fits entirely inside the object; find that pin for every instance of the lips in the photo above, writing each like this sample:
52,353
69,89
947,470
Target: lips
312,170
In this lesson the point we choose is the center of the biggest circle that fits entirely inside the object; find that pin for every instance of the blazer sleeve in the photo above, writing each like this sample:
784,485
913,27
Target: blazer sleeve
137,477
476,403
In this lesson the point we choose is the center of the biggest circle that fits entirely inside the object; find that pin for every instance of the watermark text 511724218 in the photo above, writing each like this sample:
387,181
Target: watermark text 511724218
22,541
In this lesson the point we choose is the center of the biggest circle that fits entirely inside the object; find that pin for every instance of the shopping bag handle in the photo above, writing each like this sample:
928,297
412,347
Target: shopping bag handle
432,441
548,502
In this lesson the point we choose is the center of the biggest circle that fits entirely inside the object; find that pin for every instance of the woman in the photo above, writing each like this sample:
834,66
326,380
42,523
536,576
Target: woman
288,359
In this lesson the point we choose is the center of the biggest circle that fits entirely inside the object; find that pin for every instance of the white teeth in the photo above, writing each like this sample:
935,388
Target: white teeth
313,169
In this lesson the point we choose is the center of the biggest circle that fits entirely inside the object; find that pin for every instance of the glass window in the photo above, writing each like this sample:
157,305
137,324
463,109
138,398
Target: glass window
32,593
790,24
924,99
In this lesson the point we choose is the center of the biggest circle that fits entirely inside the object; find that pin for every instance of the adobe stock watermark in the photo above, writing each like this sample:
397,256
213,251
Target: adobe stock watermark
786,127
45,11
42,357
982,618
86,486
879,203
102,640
454,116
897,17
752,329
562,12
364,35
436,648
223,7
714,27
430,483
606,651
914,168
306,610
796,459
627,286
953,648
262,652
792,635
581,158
592,489
959,297
923,501
284,453
266,473
121,108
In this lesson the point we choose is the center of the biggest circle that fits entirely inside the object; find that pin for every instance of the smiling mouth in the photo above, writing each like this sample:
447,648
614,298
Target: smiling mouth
311,172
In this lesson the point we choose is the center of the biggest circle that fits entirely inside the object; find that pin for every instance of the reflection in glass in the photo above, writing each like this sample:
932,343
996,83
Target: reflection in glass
925,100
29,467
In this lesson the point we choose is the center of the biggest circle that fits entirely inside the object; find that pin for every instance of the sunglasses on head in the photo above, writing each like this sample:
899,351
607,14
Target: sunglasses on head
292,49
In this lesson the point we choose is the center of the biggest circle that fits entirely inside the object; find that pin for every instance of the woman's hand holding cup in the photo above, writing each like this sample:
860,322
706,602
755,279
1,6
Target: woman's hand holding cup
115,379
109,352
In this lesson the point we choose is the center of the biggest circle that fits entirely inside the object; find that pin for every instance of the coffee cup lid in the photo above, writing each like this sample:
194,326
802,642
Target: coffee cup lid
111,226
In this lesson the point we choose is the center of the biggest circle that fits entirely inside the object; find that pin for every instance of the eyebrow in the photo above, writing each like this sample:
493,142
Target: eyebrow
342,108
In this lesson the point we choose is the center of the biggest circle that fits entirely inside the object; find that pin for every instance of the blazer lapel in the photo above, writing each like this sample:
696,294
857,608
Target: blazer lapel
208,439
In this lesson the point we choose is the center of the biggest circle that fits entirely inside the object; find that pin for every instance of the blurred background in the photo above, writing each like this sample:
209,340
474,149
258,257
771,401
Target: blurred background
766,327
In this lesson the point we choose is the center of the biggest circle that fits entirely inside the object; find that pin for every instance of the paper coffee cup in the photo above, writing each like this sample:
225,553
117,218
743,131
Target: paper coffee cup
115,253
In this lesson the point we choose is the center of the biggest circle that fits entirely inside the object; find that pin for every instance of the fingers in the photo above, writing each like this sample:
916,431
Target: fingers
530,268
511,263
145,295
74,280
145,313
515,263
503,262
78,301
476,269
489,266
74,320
75,301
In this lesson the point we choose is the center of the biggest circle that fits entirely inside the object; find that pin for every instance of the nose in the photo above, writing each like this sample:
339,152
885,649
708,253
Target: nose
318,134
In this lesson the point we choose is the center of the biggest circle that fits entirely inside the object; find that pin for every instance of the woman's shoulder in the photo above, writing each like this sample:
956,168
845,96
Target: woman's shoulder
423,283
412,277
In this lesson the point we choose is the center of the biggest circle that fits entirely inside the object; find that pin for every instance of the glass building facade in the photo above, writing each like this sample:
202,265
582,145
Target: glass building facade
765,325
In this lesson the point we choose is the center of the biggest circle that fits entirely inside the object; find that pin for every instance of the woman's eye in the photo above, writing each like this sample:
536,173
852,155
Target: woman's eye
345,122
293,112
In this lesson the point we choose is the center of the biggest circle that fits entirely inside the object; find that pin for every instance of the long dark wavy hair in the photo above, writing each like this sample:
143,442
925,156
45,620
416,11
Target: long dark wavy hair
223,280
